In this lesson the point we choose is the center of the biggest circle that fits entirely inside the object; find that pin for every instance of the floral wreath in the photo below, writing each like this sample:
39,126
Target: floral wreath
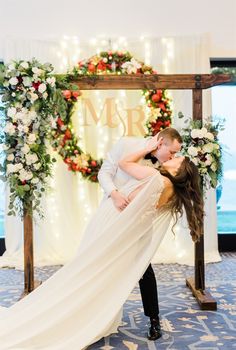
37,108
107,62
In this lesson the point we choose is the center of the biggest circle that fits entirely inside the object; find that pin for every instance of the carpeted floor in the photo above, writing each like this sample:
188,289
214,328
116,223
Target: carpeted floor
184,325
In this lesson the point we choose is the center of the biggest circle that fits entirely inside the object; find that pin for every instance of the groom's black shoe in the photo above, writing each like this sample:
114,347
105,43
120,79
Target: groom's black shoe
154,331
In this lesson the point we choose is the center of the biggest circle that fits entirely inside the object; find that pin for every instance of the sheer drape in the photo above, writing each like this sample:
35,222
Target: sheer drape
72,201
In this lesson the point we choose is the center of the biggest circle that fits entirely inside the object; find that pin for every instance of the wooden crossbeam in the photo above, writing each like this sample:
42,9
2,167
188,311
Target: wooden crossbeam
151,81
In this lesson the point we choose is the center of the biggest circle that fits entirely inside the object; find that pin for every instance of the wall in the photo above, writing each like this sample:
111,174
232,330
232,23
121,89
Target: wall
130,18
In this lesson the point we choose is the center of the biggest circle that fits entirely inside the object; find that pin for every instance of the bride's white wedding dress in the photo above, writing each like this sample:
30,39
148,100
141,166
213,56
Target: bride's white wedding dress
82,302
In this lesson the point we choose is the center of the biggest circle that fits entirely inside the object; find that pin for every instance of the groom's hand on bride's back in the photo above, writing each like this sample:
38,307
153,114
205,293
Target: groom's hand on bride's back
119,200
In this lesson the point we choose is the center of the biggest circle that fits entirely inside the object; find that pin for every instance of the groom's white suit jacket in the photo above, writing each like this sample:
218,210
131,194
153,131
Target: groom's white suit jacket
110,176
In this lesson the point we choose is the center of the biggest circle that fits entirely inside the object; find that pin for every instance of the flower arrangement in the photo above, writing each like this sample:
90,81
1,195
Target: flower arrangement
118,62
201,145
26,91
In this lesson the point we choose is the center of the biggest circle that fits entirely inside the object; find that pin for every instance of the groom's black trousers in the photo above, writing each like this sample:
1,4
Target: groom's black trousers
148,288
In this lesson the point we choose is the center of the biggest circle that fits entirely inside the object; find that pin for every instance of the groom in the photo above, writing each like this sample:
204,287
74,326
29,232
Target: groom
112,178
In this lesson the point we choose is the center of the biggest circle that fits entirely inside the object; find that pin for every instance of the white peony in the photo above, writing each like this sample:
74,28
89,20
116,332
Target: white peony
194,133
192,151
42,88
25,175
13,81
10,129
11,112
25,149
36,70
31,138
11,169
51,81
27,81
210,136
203,132
31,158
10,157
33,96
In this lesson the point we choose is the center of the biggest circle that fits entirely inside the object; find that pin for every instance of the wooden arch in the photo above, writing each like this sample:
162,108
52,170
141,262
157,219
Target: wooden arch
194,82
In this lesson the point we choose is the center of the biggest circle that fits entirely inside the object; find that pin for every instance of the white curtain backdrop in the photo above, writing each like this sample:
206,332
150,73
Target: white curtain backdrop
72,201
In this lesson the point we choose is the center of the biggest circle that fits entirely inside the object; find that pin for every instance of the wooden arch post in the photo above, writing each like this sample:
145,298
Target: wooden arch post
194,82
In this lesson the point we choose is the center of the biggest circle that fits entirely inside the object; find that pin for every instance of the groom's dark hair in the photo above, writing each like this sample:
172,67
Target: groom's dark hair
170,134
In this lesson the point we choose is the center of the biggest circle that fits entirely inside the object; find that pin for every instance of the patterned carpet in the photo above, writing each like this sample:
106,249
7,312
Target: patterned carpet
184,325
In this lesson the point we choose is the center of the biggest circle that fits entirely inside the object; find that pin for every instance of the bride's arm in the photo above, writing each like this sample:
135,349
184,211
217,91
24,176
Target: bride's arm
130,166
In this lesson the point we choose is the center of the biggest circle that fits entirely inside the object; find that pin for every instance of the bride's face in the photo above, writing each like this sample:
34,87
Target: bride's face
172,165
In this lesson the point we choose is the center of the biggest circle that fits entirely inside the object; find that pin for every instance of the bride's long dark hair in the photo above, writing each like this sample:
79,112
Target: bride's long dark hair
187,195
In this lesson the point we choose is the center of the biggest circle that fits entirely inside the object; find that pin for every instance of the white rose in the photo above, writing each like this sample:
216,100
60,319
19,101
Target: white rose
11,168
203,132
10,157
37,166
105,60
192,151
24,175
10,129
33,96
210,136
24,65
194,133
25,149
27,81
208,148
31,138
36,70
42,88
51,81
31,158
11,112
13,81
18,166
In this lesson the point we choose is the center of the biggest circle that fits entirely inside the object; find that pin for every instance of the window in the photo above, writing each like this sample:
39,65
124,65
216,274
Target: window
224,105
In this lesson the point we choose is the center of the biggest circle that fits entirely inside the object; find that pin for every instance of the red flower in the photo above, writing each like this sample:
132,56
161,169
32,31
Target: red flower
101,65
88,170
93,163
67,160
156,98
162,106
94,178
60,122
76,94
36,85
76,151
74,166
67,135
91,68
66,94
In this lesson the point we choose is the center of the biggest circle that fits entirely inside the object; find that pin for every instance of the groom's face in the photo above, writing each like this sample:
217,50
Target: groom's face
167,150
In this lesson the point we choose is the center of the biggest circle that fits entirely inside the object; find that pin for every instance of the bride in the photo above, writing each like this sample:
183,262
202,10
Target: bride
82,302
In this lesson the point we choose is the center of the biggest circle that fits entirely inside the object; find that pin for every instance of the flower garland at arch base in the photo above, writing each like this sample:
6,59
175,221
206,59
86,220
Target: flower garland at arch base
37,110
